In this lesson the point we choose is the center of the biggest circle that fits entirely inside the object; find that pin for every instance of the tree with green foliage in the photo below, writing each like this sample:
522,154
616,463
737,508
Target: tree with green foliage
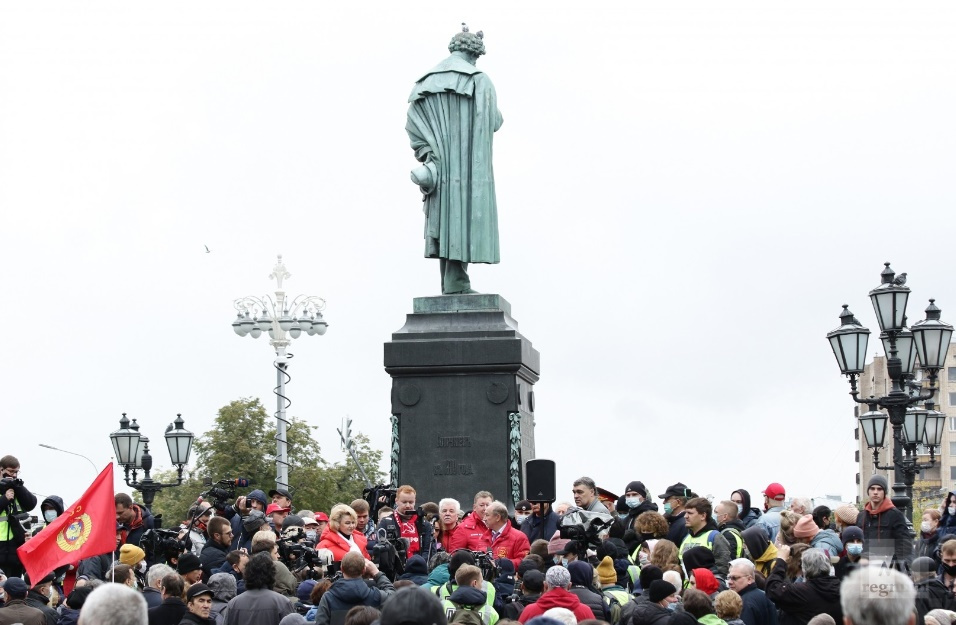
242,444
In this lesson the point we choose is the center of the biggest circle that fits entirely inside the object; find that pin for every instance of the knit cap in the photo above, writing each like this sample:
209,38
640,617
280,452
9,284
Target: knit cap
131,555
805,527
606,573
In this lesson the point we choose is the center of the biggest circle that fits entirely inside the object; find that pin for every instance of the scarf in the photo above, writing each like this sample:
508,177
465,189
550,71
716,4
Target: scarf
765,562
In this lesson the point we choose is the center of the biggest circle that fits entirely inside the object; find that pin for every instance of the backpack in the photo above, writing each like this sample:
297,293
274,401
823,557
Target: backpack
465,617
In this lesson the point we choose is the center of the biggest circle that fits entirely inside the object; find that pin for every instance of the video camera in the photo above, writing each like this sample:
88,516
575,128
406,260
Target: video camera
485,561
378,497
219,493
162,545
585,528
391,551
299,556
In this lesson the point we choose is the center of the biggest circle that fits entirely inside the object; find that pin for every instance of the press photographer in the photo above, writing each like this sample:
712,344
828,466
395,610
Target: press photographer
16,502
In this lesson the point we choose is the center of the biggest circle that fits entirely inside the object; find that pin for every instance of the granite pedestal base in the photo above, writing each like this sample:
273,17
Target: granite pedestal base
462,399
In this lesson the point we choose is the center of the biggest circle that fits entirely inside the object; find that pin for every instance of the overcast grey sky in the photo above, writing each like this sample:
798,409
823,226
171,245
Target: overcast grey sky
687,193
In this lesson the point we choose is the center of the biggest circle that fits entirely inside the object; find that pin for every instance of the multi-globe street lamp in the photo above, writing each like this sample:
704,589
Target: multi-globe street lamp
284,319
927,342
132,452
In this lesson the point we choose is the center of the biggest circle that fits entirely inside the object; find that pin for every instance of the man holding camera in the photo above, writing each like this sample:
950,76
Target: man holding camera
15,503
412,525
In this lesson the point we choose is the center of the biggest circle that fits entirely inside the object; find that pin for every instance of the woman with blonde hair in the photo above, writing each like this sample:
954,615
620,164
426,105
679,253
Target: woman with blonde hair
340,536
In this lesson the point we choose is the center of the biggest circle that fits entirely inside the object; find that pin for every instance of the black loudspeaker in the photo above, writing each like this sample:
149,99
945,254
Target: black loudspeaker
540,480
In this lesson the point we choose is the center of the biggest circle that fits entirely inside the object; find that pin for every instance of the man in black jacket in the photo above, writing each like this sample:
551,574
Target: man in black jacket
931,593
172,609
39,597
801,601
217,547
886,536
15,499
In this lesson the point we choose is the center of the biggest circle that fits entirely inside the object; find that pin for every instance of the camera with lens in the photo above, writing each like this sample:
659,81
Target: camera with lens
485,561
391,551
219,493
9,482
378,497
162,545
585,529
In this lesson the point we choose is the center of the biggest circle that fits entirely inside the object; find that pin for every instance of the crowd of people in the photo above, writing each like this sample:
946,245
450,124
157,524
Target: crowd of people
600,558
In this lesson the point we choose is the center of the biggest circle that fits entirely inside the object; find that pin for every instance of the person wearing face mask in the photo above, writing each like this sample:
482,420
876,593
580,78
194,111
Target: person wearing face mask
632,503
674,498
725,514
311,527
927,544
522,514
853,552
135,558
947,553
660,596
947,521
931,594
746,513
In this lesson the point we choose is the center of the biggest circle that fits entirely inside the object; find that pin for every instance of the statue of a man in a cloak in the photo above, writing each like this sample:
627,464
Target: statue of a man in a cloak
452,117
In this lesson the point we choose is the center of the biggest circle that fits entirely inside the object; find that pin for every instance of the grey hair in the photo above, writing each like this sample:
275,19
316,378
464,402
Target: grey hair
157,572
561,615
586,482
114,604
558,577
743,563
449,500
803,502
877,596
498,508
815,563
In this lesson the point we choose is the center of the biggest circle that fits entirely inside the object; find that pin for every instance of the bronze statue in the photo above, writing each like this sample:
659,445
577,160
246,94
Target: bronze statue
452,117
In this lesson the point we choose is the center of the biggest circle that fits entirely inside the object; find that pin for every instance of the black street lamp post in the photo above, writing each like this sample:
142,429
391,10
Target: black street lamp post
929,341
132,452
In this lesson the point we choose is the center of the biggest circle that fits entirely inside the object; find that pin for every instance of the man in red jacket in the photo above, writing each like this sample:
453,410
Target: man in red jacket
504,540
473,526
556,595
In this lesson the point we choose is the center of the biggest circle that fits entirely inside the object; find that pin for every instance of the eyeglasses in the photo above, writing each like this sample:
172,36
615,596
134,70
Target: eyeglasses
734,578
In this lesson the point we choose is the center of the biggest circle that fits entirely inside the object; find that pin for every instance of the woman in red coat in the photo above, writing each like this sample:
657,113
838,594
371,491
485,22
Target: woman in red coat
340,536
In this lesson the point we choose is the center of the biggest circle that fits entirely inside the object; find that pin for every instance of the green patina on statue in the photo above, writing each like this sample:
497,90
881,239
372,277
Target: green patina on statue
452,117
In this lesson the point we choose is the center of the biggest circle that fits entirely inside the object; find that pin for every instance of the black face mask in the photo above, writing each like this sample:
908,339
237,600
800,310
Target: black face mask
950,570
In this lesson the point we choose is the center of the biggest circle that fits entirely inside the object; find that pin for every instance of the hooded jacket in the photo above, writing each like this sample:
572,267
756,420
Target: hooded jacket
142,521
883,524
438,577
470,598
748,515
556,598
347,593
631,514
757,608
761,550
829,542
416,570
647,613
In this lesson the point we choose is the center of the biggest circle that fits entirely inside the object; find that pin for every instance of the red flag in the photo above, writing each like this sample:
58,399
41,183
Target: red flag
85,529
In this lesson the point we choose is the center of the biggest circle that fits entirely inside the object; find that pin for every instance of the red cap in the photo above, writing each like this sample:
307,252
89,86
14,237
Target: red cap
775,491
321,516
274,507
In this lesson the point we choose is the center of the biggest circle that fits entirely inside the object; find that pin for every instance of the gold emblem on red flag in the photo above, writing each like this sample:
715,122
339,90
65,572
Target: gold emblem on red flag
75,534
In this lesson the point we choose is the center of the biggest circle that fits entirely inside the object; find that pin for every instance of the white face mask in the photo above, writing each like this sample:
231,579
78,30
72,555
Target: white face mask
49,516
633,502
952,509
740,509
521,518
926,526
142,566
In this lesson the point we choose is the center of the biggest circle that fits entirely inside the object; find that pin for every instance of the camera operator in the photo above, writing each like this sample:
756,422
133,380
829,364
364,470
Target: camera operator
255,500
341,536
285,582
198,516
412,525
15,500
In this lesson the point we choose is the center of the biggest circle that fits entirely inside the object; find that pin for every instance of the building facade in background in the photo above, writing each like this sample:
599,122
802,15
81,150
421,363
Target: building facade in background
932,484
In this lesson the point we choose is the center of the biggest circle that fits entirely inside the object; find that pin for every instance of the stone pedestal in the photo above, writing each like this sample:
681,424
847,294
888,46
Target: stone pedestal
462,399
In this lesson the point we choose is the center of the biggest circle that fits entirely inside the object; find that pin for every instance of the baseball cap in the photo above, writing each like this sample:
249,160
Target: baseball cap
309,522
775,491
676,490
197,590
524,506
280,491
274,507
321,517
